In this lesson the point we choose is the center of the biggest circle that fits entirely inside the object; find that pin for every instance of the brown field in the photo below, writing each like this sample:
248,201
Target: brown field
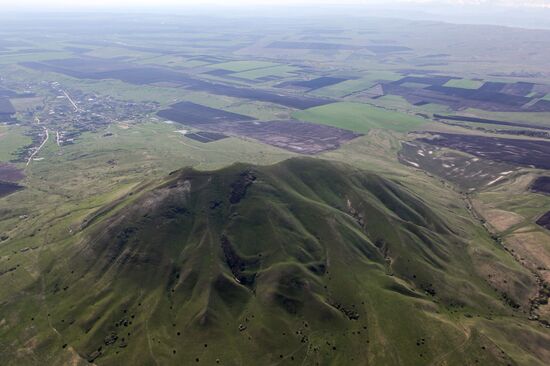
530,153
300,137
465,171
9,173
532,248
500,220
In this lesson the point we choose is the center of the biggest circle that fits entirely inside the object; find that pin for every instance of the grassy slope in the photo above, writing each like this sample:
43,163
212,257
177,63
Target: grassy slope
11,139
311,242
359,117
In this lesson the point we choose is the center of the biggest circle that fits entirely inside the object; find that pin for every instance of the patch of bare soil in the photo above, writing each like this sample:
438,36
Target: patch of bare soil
10,173
533,248
499,220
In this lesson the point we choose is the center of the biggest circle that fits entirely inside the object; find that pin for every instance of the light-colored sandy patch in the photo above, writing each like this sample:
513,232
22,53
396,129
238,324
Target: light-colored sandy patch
499,220
502,220
75,359
526,229
124,126
28,348
498,179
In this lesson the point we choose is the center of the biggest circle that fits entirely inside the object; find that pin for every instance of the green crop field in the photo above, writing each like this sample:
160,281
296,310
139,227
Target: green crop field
239,66
112,52
280,71
464,83
360,117
400,103
7,59
356,85
345,87
541,118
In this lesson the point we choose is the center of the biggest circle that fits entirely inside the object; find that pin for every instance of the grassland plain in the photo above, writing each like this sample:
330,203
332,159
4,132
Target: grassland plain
360,117
97,164
12,138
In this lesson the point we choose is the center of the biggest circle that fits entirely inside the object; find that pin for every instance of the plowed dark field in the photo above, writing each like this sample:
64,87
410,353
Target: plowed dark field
9,173
314,83
491,96
489,121
532,153
6,107
541,185
132,74
195,114
205,137
8,188
290,45
544,220
300,137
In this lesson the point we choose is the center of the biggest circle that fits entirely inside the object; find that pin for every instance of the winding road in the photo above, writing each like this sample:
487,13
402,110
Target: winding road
39,147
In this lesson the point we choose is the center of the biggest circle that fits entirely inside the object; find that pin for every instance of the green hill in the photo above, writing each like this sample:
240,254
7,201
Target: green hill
305,262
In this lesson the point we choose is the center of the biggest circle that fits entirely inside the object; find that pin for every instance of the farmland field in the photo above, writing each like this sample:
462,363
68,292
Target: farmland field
240,66
464,83
264,72
360,117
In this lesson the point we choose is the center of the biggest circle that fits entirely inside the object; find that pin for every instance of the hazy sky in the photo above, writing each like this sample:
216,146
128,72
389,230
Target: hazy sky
41,4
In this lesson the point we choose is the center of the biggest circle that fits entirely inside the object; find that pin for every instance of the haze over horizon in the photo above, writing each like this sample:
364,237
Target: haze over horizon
281,3
533,14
